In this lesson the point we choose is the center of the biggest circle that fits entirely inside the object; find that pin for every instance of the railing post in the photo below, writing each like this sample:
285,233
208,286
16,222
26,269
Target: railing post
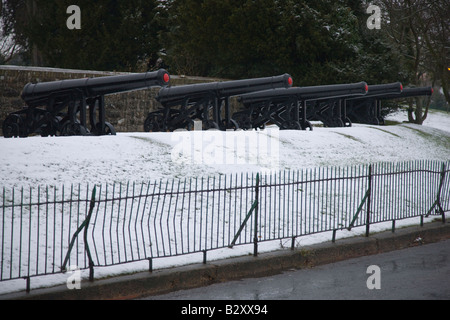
439,193
86,245
150,265
204,256
84,226
28,285
366,197
244,223
369,192
255,237
437,203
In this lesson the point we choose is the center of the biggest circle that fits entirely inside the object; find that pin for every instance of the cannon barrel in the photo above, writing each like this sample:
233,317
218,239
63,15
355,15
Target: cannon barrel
40,93
410,92
222,89
381,90
307,93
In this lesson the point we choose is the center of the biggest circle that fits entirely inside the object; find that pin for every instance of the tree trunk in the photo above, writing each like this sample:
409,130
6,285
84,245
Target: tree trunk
419,113
410,112
445,84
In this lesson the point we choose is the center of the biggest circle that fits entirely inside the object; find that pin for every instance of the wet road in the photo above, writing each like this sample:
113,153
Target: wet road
421,272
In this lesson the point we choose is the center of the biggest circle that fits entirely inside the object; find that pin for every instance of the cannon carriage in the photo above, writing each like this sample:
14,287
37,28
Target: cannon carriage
341,112
59,107
330,111
367,109
287,108
207,102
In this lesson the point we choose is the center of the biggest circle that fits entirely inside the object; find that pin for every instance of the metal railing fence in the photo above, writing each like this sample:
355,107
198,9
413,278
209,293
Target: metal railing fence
43,230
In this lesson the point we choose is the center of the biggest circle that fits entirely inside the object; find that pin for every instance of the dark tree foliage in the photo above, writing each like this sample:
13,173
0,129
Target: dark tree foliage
318,42
114,35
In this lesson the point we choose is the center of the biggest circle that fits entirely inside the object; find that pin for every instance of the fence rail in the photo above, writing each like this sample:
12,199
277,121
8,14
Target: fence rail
40,227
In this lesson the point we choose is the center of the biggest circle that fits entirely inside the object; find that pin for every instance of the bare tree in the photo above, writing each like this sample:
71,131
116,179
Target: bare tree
437,42
419,30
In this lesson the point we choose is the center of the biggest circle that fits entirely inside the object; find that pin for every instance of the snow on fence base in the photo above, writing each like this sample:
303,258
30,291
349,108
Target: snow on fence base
134,222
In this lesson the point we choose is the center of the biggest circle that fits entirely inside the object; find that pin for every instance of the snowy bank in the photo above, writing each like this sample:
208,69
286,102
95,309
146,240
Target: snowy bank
153,156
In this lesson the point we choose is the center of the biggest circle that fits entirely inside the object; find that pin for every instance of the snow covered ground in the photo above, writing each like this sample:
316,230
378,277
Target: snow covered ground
152,156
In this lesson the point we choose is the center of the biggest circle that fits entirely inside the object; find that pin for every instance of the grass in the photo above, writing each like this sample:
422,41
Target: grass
391,123
420,132
388,132
440,141
349,137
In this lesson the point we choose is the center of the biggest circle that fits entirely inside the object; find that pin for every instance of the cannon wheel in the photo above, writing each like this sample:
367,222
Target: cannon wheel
233,125
306,124
291,125
243,120
73,129
210,124
14,126
153,122
51,127
348,122
109,129
334,123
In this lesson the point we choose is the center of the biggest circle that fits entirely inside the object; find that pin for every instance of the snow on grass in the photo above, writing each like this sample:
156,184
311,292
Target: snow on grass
57,161
149,156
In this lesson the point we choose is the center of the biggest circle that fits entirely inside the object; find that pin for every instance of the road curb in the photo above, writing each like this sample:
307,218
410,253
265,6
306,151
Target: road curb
266,264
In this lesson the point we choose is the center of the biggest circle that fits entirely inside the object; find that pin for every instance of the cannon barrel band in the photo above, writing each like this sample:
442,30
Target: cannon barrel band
39,93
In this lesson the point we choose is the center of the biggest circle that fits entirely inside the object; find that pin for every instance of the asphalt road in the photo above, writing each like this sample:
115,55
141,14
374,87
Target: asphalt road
421,272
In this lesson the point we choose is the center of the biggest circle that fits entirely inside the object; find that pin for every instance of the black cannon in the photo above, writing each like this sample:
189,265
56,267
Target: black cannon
208,102
367,109
406,93
409,93
59,107
287,107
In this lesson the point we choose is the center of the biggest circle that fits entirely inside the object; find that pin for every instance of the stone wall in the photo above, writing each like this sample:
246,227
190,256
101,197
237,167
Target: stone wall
125,111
